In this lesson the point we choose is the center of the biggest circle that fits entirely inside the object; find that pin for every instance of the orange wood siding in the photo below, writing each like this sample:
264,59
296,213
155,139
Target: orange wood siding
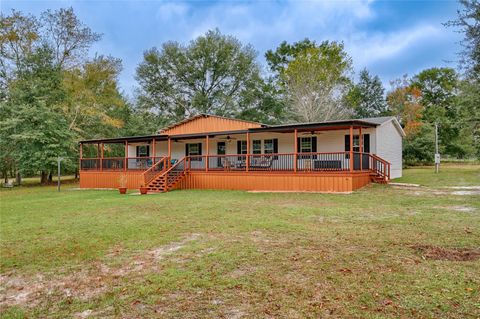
324,182
205,124
109,179
334,182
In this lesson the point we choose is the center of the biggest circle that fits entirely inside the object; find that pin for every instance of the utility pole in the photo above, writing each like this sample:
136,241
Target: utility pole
437,155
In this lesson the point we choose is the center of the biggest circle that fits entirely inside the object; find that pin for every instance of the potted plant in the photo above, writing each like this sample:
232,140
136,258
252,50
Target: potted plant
122,181
143,189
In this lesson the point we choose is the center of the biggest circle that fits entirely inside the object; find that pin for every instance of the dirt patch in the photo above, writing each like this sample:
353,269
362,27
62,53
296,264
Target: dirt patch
405,185
452,254
462,209
84,284
466,193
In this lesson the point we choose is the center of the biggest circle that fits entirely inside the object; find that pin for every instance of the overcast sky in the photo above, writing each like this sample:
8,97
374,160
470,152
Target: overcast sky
389,38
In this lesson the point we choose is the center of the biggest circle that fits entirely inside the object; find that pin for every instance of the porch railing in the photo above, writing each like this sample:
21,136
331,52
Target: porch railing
337,161
278,162
118,163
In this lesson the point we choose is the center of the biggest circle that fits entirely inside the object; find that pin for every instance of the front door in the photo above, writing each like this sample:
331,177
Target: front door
221,150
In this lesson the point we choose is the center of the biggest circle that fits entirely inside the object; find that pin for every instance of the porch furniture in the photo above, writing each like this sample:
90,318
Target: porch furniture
261,162
8,184
227,164
327,164
308,164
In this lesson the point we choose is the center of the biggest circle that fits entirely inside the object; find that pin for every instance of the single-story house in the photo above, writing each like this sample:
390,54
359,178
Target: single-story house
213,152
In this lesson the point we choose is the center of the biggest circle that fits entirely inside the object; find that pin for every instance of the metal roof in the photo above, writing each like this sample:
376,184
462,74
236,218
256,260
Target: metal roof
365,122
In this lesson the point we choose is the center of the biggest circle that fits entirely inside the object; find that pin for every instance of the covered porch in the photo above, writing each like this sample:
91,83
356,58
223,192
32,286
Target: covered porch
300,149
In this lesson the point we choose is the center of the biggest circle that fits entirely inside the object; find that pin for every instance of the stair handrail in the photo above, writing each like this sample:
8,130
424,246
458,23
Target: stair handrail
384,172
150,173
173,167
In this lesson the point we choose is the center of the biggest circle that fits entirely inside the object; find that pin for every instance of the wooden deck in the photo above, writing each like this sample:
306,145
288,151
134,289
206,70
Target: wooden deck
265,181
319,172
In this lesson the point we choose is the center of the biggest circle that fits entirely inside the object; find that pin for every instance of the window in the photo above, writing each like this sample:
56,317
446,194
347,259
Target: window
306,145
257,146
242,147
143,151
268,147
356,143
194,149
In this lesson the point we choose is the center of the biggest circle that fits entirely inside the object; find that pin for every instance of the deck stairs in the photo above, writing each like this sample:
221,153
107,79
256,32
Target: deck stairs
167,179
380,170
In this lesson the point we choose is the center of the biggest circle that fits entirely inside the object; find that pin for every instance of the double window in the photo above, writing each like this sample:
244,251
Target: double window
270,146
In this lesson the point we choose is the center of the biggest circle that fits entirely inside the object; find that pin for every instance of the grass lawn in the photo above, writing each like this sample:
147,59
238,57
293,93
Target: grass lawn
381,252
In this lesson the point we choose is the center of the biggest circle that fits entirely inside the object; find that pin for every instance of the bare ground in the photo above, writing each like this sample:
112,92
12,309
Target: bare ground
84,284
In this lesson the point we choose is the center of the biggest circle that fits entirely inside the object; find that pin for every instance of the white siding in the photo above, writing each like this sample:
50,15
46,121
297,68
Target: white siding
389,147
385,141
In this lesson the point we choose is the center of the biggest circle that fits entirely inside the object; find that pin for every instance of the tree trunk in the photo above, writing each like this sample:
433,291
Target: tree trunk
76,173
50,177
43,178
5,176
19,178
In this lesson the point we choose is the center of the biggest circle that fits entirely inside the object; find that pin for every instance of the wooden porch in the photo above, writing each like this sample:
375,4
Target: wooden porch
335,172
250,168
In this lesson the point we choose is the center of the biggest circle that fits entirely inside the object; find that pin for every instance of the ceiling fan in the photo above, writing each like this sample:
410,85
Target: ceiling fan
311,133
228,139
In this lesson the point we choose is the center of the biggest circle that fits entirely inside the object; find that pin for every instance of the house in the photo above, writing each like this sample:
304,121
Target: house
213,152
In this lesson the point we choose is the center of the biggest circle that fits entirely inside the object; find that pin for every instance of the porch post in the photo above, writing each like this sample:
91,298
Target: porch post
207,153
101,157
169,144
360,141
295,154
153,151
351,148
125,160
247,162
80,157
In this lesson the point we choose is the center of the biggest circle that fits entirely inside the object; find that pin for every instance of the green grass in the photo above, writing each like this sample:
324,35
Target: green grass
449,175
232,254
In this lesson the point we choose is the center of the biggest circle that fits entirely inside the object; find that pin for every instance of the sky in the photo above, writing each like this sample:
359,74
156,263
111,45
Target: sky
389,38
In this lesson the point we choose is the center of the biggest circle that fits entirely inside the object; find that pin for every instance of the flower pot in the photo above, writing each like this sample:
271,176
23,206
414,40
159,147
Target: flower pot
143,190
122,190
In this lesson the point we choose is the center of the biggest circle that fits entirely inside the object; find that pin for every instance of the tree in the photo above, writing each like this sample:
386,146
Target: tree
19,35
419,147
316,82
213,74
94,106
31,117
68,37
279,59
52,94
468,21
439,88
404,103
366,98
